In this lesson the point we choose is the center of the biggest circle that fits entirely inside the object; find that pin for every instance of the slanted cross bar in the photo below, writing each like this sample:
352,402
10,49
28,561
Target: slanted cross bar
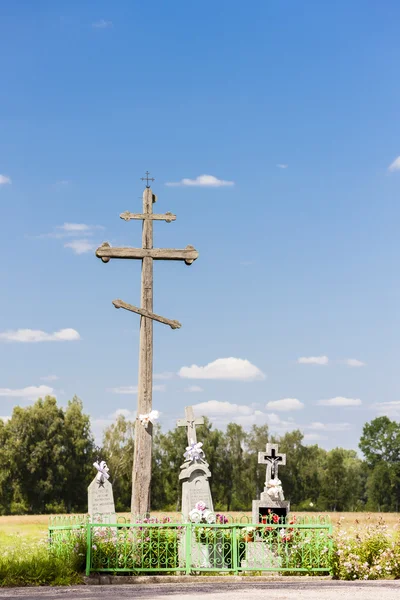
141,474
272,460
190,422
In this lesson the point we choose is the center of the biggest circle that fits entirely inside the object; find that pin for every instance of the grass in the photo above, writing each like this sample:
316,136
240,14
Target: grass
366,548
33,528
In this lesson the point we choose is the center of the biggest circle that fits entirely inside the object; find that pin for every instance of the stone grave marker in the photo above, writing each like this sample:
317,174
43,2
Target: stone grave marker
101,505
272,497
195,472
195,475
258,554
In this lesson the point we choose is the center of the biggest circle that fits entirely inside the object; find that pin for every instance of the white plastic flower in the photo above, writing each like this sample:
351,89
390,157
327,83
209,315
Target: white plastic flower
149,417
209,516
195,515
194,451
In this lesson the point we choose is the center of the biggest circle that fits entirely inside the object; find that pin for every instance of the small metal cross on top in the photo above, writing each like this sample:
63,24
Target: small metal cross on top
147,179
271,459
190,422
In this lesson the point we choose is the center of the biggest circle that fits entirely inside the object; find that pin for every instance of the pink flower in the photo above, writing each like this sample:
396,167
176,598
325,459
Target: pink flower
200,506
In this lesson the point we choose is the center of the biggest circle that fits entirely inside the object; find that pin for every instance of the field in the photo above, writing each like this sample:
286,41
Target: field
33,528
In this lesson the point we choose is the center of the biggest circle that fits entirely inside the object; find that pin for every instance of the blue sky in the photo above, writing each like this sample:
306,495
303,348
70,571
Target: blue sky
294,103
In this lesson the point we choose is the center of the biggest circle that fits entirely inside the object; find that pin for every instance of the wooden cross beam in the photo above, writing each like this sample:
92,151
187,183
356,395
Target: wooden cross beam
146,313
128,216
272,460
105,252
141,474
190,422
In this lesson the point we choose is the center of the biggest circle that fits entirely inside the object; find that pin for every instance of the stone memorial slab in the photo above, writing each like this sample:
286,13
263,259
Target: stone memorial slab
101,505
195,472
272,498
260,557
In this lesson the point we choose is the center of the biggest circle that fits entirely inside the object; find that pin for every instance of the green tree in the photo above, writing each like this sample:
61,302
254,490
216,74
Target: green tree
117,451
79,456
36,435
380,441
380,444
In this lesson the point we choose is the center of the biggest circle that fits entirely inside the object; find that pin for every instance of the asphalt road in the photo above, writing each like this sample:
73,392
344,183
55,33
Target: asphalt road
279,590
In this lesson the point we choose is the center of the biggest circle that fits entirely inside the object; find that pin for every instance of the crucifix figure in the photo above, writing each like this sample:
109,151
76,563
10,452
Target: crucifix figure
272,460
190,422
141,474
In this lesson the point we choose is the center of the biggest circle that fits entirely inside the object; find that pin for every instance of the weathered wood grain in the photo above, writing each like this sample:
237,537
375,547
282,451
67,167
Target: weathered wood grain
128,216
141,473
145,313
188,255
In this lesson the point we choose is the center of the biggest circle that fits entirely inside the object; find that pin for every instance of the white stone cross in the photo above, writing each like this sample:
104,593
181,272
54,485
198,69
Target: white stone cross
272,460
190,422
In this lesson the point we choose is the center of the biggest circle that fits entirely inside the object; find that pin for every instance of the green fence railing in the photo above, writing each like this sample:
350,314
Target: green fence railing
290,545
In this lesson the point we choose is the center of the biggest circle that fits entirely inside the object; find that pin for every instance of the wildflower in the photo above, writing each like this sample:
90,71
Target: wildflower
94,547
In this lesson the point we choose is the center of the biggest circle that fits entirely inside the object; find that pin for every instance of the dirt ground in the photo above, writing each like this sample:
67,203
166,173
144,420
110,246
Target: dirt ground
301,589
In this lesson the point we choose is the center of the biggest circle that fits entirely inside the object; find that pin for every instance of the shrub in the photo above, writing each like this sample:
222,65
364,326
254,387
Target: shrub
26,564
370,552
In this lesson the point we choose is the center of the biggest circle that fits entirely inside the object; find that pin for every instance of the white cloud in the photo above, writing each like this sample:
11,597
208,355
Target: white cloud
102,24
217,408
72,230
62,182
313,360
36,335
5,419
194,388
133,389
285,405
130,415
340,401
202,181
74,227
231,368
80,246
164,375
353,362
281,166
223,413
31,392
4,180
314,437
317,426
395,166
49,378
389,409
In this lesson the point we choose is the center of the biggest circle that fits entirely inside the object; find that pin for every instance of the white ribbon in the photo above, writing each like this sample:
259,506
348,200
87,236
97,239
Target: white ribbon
102,470
194,451
148,417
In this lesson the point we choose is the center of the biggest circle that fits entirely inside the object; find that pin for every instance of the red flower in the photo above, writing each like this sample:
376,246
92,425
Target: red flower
275,518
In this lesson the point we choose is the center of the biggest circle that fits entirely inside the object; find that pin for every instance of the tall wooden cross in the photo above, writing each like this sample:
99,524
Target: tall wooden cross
190,422
141,473
272,460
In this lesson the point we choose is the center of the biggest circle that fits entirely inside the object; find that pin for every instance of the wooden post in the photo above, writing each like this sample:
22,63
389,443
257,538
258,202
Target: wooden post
141,473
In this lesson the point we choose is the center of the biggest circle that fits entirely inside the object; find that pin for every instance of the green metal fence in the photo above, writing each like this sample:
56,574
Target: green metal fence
120,545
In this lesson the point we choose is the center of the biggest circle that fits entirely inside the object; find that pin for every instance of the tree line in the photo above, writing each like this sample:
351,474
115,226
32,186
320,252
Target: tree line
47,452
